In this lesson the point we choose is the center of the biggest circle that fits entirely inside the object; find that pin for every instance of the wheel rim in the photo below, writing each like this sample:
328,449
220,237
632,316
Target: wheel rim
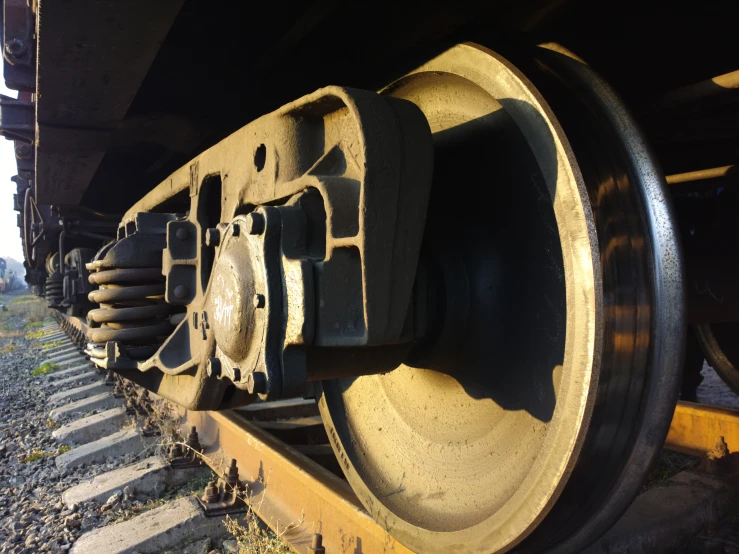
452,461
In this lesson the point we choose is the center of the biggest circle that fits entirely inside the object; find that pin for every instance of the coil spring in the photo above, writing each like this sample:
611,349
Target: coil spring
132,309
54,291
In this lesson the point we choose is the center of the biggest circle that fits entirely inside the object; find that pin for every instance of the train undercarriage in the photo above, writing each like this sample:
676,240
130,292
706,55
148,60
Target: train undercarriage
487,238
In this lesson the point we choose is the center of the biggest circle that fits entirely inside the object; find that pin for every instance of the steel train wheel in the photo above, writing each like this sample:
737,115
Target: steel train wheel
534,413
718,342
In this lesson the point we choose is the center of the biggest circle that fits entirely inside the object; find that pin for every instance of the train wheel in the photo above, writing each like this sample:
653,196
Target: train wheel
534,412
718,342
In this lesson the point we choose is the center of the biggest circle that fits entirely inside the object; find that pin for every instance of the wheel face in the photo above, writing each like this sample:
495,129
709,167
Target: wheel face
550,255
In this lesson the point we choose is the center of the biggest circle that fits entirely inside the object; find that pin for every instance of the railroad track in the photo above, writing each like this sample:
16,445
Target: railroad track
290,478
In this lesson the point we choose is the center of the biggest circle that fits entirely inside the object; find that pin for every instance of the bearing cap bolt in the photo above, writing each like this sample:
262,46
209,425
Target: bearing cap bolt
214,368
182,234
316,544
193,441
256,383
181,291
212,237
255,223
15,47
211,493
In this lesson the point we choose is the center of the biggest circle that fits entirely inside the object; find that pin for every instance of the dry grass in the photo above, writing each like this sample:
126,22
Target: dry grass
254,537
32,309
22,311
193,486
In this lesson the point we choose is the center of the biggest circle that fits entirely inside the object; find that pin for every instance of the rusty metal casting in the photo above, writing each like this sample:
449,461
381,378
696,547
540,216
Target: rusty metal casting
189,455
227,496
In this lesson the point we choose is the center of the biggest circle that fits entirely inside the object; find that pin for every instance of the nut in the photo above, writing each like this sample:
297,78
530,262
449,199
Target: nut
214,367
255,223
15,47
256,383
212,237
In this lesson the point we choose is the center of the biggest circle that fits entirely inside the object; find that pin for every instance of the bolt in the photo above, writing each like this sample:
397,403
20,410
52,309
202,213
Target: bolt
232,477
211,493
316,545
212,237
254,223
181,292
149,429
15,47
259,301
130,407
236,374
193,441
716,459
182,233
256,383
23,151
214,368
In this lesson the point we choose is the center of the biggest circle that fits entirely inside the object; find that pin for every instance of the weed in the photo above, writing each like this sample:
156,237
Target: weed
50,345
7,349
44,369
193,486
37,454
668,465
51,424
34,456
36,335
34,324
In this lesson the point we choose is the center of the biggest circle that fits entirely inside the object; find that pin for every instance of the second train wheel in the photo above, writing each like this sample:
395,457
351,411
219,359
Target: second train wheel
532,414
718,342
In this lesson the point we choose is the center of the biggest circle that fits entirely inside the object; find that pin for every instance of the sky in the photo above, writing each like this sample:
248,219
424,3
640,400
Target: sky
10,241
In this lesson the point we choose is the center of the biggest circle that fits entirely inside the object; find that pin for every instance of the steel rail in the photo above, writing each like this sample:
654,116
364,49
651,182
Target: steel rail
695,428
292,494
296,497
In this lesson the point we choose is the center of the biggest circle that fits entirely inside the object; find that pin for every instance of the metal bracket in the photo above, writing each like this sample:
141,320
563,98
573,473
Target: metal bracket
225,496
17,119
189,456
19,46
